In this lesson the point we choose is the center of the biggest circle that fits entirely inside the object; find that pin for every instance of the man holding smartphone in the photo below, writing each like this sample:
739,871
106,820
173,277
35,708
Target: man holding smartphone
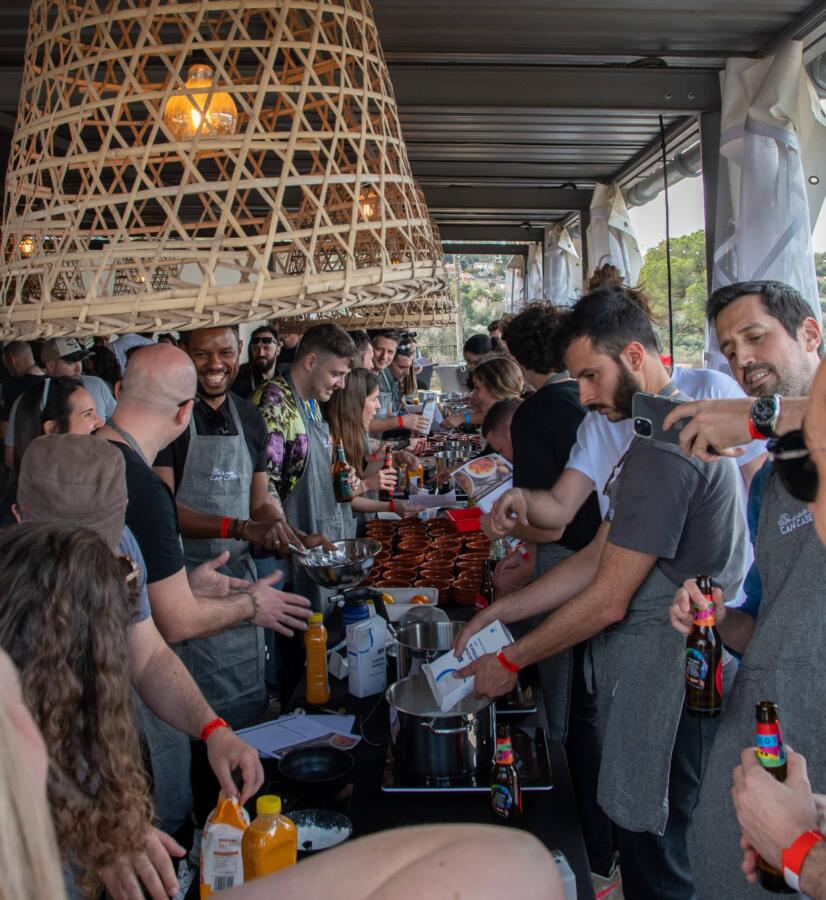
669,517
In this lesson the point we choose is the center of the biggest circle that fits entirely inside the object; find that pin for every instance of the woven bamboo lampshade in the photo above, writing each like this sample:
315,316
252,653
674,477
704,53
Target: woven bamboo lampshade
181,163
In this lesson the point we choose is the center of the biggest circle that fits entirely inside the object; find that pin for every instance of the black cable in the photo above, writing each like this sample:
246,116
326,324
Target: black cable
667,244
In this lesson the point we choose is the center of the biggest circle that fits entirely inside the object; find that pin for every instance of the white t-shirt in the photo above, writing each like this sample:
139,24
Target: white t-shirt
600,444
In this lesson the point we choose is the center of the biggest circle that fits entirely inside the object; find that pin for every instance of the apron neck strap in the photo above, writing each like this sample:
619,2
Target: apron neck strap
129,440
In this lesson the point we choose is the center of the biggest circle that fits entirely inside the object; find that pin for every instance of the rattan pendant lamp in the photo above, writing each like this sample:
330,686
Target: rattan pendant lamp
179,163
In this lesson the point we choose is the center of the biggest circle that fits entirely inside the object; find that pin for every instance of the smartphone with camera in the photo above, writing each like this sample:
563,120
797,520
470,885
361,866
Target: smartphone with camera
649,411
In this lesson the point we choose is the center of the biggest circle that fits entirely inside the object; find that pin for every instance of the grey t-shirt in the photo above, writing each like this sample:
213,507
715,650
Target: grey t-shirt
97,387
128,546
682,510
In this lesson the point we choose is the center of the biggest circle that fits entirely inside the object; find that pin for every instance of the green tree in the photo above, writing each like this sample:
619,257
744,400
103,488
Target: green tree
688,292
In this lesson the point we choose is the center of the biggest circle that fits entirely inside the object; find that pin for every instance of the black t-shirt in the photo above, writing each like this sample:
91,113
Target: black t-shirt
152,517
543,431
246,382
211,422
13,389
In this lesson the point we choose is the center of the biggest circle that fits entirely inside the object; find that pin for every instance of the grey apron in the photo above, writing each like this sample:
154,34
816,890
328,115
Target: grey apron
555,672
169,752
637,671
783,662
311,505
228,667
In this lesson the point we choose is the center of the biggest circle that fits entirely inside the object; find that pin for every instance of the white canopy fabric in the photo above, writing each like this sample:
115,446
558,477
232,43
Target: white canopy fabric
562,268
773,138
610,235
534,277
515,284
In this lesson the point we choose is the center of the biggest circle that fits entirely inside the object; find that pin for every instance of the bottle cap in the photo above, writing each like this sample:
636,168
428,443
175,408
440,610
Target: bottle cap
316,619
268,805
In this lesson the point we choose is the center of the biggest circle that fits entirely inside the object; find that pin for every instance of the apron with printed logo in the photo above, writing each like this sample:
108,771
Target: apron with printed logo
783,663
228,667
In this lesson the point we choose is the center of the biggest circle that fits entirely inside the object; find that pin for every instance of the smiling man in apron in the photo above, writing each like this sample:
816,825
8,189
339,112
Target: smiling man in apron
772,341
670,517
299,452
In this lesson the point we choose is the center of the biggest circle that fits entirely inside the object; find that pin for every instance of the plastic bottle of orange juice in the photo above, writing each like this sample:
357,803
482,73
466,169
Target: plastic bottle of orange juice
271,841
315,643
222,866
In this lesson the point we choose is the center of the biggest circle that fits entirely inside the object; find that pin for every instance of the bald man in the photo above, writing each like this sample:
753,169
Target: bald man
19,362
154,408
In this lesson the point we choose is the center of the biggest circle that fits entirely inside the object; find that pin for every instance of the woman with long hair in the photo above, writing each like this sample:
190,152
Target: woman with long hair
494,378
64,620
55,406
349,412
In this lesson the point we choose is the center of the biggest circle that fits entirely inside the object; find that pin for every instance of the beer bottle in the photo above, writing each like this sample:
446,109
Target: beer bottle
498,551
341,479
505,790
772,757
486,593
386,495
704,659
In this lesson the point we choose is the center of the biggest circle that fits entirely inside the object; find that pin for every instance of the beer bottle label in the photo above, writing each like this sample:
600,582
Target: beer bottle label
770,750
704,617
696,668
481,601
502,800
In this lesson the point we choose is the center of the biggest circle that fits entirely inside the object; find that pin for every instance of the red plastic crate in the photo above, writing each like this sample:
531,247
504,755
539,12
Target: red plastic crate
469,519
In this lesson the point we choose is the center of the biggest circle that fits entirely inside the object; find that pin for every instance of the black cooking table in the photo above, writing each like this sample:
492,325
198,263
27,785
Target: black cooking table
551,816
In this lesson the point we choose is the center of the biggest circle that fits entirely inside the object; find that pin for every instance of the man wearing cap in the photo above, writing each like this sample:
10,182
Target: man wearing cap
80,480
64,356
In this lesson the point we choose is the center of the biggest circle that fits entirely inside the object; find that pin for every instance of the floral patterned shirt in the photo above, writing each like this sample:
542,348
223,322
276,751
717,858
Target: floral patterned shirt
286,435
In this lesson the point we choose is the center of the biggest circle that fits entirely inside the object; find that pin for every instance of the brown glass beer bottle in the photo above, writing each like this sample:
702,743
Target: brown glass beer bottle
704,659
505,789
772,757
386,495
341,478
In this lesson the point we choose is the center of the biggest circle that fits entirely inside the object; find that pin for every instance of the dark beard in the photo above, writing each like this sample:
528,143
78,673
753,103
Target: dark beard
624,392
261,366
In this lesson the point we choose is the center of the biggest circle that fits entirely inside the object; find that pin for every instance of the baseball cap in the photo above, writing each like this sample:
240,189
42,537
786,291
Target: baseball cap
74,479
70,349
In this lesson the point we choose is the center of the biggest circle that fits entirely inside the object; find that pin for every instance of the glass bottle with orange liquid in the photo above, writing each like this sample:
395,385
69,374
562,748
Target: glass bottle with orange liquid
315,643
270,842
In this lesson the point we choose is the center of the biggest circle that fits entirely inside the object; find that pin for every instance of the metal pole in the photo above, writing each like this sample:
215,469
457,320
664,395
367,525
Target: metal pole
457,273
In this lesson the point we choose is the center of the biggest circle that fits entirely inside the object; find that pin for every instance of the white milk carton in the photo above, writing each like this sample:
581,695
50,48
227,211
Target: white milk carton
366,660
449,690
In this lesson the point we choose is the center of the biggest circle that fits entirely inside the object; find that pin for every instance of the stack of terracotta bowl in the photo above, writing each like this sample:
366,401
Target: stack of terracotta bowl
415,554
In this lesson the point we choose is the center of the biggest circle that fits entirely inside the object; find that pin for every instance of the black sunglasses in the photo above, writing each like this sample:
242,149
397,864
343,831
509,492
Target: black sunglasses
263,340
792,460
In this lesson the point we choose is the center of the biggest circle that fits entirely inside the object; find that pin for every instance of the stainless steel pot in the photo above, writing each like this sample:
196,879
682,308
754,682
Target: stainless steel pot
422,642
430,743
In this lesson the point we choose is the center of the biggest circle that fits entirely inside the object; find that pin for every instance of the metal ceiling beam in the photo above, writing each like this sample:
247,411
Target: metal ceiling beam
494,249
517,88
483,233
506,199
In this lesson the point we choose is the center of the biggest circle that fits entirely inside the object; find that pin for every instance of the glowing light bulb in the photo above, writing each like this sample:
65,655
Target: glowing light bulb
369,205
185,113
26,246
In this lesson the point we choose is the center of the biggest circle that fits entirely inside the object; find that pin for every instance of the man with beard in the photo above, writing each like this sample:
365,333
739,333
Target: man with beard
263,356
772,343
670,516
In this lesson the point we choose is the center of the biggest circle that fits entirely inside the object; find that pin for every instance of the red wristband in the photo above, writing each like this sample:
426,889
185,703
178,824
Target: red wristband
226,524
793,857
755,434
391,505
400,421
214,725
506,663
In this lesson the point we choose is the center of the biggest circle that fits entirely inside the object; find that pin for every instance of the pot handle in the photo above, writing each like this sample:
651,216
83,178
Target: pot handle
431,727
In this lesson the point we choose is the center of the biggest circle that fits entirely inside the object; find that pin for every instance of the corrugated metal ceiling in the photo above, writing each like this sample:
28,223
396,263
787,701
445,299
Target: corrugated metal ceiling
538,94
